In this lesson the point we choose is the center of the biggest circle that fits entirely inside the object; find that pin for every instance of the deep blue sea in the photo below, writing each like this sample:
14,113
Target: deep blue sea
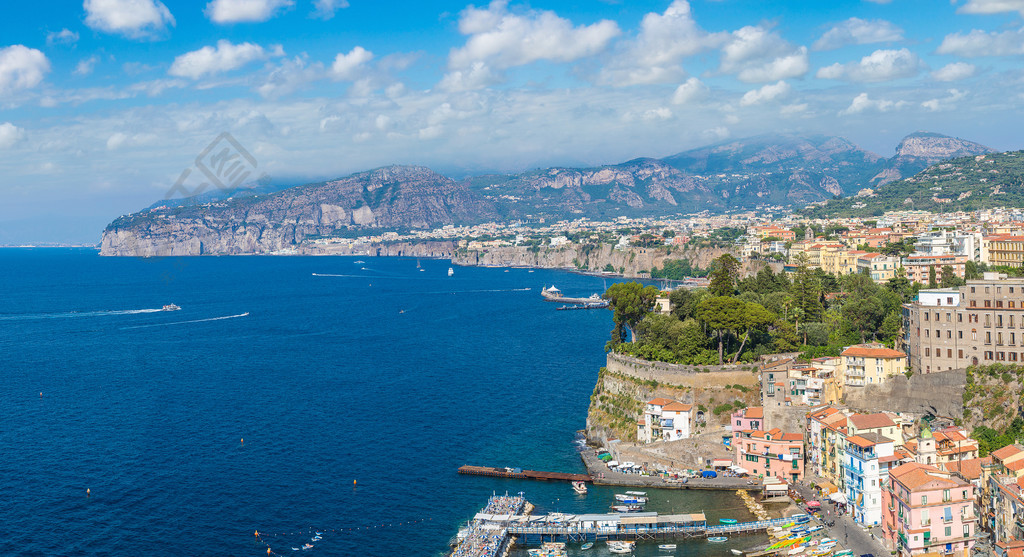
281,401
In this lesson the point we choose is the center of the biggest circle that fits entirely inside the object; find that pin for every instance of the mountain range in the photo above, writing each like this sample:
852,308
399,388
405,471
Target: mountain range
769,170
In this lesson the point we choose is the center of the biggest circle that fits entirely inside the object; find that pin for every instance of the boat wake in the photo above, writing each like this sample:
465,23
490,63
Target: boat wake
246,314
70,314
478,291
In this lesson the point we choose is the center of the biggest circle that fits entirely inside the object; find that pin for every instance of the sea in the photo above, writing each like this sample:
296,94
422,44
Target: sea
289,396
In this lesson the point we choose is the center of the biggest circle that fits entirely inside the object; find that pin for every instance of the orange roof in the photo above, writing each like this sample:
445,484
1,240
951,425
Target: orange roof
1006,452
860,441
866,352
677,407
660,401
754,412
1015,465
915,475
969,468
774,431
871,421
792,437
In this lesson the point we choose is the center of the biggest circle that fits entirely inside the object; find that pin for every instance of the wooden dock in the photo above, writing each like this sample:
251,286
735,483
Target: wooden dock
518,474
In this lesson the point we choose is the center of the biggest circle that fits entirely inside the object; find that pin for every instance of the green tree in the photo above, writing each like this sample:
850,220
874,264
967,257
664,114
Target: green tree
973,271
900,285
753,316
631,302
949,279
725,271
722,314
931,277
806,292
684,302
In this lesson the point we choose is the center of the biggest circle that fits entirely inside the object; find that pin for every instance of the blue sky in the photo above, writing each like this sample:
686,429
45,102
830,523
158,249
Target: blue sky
104,103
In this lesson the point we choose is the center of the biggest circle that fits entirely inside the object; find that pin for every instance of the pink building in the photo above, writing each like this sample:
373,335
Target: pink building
747,419
770,453
925,510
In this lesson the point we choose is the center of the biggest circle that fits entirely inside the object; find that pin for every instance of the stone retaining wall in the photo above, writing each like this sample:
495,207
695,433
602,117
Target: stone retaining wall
686,376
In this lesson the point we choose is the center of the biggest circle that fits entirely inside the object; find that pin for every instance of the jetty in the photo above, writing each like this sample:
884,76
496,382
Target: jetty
552,294
506,521
520,474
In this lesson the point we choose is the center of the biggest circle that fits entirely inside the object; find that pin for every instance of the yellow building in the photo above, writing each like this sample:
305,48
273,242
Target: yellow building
1005,249
870,364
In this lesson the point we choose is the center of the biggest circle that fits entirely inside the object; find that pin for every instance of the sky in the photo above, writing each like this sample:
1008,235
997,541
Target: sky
107,106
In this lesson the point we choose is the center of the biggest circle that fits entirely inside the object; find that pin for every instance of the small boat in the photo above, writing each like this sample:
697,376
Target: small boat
813,529
308,546
637,493
736,552
717,539
727,520
630,499
451,271
621,546
587,545
579,487
171,307
667,547
627,508
359,261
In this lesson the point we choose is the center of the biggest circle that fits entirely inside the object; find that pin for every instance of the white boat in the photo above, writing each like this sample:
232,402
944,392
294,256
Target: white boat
451,271
717,539
621,546
171,307
637,493
667,546
630,499
736,552
579,487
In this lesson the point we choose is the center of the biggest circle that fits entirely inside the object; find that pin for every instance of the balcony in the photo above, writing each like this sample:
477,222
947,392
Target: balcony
854,372
855,382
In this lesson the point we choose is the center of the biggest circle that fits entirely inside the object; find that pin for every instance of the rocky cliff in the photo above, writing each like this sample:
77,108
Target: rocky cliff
920,149
387,198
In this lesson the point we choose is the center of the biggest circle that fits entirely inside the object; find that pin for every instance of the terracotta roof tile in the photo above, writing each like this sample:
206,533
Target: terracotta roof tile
1006,452
865,352
871,421
660,401
677,407
754,412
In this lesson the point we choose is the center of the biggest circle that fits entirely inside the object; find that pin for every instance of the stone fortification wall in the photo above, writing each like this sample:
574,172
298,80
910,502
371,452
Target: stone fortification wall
687,376
939,394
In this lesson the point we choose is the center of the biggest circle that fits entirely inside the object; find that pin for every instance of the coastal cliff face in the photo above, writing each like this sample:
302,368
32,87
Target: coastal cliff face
386,198
625,385
919,150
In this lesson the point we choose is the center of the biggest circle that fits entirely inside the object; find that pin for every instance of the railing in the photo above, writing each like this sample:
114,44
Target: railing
855,372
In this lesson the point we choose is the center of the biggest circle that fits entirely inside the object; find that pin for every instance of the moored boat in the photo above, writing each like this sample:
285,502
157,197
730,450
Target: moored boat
587,545
727,520
667,547
736,552
579,487
717,539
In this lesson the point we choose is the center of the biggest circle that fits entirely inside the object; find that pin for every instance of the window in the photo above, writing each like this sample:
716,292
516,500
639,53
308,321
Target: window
972,290
959,318
1011,303
945,495
960,334
924,501
949,531
959,353
949,352
988,303
974,336
988,337
927,351
999,303
949,317
926,333
949,300
949,334
926,316
967,530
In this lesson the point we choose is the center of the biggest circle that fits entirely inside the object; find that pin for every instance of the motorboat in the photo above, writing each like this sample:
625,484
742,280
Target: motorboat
616,546
735,552
727,520
717,539
451,271
580,487
630,499
667,547
171,307
587,545
627,508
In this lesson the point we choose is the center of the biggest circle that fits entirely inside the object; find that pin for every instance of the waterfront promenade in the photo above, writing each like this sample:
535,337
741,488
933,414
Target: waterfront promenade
602,475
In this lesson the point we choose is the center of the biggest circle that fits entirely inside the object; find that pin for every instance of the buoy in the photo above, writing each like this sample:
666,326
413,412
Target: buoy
256,533
353,482
87,493
40,394
243,440
268,551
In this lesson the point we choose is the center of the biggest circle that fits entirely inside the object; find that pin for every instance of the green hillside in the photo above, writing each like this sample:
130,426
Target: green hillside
963,184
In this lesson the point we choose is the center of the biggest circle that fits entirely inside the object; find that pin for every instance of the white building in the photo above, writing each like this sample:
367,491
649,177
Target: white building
664,420
864,475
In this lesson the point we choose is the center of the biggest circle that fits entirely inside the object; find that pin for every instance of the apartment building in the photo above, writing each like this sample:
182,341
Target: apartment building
1004,249
880,267
926,510
664,419
770,454
865,475
918,267
983,324
870,364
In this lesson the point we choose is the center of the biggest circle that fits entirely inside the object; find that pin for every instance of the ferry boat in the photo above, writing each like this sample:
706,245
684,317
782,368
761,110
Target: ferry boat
171,307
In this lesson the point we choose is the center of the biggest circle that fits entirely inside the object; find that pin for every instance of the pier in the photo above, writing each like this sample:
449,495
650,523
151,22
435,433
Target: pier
519,474
506,521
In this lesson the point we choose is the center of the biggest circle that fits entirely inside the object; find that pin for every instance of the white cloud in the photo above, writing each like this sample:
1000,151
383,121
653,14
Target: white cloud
992,6
954,72
654,56
115,141
716,133
765,94
10,135
244,11
660,113
757,55
347,67
21,68
858,31
503,39
214,60
290,76
690,91
948,103
863,103
86,65
793,109
980,43
64,36
476,77
880,65
134,19
325,9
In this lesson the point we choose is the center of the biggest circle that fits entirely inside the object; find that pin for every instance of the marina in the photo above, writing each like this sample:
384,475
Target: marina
499,526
